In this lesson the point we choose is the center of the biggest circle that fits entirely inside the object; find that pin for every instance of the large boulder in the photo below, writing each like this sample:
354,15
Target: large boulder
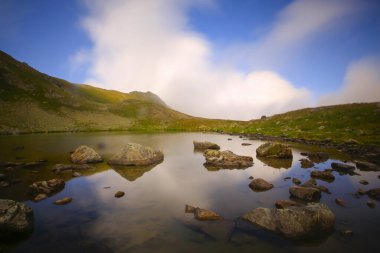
274,150
15,218
84,154
294,222
305,193
226,159
59,168
203,145
48,187
259,184
136,155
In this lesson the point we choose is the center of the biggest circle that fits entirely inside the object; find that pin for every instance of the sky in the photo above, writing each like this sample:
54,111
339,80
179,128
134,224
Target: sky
231,59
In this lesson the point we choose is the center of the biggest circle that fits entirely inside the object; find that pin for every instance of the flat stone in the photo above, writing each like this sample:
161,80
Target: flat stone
63,201
226,159
203,214
323,175
342,167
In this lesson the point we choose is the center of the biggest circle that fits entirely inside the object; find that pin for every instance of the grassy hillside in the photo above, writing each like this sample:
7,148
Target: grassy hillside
31,101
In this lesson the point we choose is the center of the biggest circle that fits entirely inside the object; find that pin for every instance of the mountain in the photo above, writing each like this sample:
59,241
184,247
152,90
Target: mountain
35,102
31,101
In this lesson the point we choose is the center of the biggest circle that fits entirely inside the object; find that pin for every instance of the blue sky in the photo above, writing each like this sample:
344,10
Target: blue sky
68,39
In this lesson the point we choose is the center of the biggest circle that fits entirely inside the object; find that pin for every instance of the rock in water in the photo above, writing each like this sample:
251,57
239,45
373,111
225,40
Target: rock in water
318,157
15,218
203,145
305,193
296,181
203,214
340,202
48,187
59,168
295,222
63,201
119,194
226,159
367,166
274,150
189,209
84,154
306,163
260,184
342,167
323,175
281,204
374,193
136,155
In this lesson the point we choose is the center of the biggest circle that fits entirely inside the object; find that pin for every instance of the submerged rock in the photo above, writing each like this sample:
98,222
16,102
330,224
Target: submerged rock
318,157
274,150
340,202
260,184
367,166
363,182
246,144
136,155
203,145
281,204
342,167
15,218
305,193
306,163
347,232
59,168
371,204
295,222
374,193
203,214
226,159
323,175
48,187
85,154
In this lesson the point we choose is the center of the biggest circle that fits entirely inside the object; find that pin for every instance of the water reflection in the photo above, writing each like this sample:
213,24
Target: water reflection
131,173
276,163
150,217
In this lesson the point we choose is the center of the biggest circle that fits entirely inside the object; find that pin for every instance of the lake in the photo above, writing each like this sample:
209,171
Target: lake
151,216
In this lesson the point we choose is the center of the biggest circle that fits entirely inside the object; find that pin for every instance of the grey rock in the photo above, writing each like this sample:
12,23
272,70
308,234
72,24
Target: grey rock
48,187
259,184
367,166
226,159
305,193
59,168
203,145
295,222
85,154
15,218
274,150
342,167
136,155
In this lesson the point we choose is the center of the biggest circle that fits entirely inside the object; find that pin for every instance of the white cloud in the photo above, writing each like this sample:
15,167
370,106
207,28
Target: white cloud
148,46
361,84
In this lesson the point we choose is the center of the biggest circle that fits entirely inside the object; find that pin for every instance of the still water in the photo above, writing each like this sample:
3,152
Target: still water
151,216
